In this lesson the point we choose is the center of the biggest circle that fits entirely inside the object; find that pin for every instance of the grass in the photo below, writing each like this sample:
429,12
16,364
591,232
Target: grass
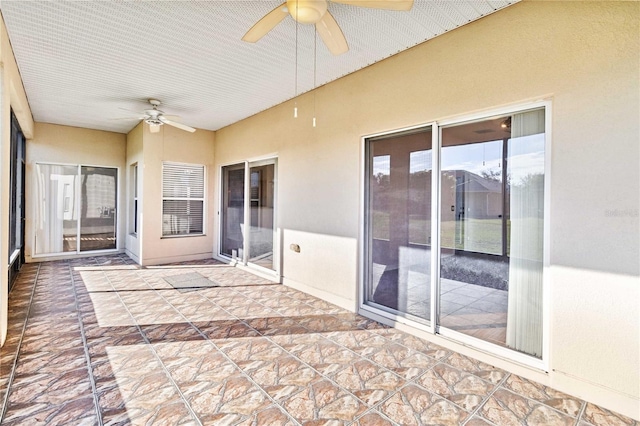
483,235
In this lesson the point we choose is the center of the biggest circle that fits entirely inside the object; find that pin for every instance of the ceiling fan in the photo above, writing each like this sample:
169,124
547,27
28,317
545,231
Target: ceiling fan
156,118
315,12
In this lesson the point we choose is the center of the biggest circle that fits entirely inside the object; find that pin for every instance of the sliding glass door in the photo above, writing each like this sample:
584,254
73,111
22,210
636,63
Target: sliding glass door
248,198
98,208
232,221
492,178
261,214
76,210
489,234
399,244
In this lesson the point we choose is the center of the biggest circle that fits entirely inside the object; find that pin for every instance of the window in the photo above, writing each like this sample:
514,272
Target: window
182,199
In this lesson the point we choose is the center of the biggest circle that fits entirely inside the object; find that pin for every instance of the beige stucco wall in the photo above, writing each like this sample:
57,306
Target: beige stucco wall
584,58
174,145
12,97
73,145
133,243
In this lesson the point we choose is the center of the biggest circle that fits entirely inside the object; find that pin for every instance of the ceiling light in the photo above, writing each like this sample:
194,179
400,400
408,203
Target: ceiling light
307,11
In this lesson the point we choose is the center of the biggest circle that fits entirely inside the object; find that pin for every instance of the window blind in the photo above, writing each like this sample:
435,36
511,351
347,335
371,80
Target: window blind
182,199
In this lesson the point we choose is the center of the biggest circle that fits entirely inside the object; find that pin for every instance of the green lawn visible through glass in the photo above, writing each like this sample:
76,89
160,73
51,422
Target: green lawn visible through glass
487,233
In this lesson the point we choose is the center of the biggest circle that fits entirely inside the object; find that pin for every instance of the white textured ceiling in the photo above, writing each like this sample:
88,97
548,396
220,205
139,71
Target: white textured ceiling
84,63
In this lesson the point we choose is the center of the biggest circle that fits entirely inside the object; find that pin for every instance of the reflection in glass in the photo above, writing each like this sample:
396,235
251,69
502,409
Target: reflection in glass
98,208
56,213
233,211
492,192
400,223
262,179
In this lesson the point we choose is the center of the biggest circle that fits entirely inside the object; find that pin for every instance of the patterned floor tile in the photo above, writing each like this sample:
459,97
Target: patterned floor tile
225,329
599,416
403,361
464,389
551,397
373,418
507,408
322,402
248,352
413,405
480,369
367,381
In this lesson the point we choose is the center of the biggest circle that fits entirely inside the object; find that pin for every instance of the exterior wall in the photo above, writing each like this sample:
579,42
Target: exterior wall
12,96
133,241
72,145
175,145
585,58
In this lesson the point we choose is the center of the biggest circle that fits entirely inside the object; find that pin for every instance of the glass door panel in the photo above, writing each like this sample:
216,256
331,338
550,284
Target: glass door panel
492,192
232,232
261,194
399,246
56,215
98,187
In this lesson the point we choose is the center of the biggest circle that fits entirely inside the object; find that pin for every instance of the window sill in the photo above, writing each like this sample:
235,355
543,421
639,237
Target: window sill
182,236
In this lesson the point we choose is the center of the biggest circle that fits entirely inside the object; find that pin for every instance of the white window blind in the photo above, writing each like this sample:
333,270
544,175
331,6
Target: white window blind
182,199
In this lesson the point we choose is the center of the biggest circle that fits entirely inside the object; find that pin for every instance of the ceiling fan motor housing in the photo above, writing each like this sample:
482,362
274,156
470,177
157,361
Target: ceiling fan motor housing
307,11
153,121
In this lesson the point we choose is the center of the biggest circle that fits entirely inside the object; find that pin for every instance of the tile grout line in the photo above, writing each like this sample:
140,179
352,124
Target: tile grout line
583,408
5,403
489,395
155,353
208,340
323,376
85,345
357,328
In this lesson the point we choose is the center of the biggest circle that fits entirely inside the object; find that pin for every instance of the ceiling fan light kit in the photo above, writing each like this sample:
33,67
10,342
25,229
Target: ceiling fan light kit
156,118
317,12
307,11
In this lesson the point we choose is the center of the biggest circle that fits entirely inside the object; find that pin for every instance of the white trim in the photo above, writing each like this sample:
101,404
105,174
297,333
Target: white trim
275,248
362,225
546,242
244,262
435,226
493,349
396,318
246,213
14,256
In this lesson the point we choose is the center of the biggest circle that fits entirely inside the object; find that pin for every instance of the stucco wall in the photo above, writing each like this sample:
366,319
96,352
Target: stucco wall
133,241
53,143
174,145
584,58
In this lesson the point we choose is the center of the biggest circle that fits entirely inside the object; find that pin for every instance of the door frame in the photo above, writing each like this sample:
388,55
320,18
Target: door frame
244,261
433,327
78,201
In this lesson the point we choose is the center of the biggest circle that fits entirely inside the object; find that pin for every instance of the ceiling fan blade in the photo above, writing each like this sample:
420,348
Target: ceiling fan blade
127,118
331,34
177,125
266,24
171,117
380,4
154,128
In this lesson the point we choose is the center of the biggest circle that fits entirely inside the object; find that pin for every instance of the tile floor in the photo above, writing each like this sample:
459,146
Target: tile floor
100,341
